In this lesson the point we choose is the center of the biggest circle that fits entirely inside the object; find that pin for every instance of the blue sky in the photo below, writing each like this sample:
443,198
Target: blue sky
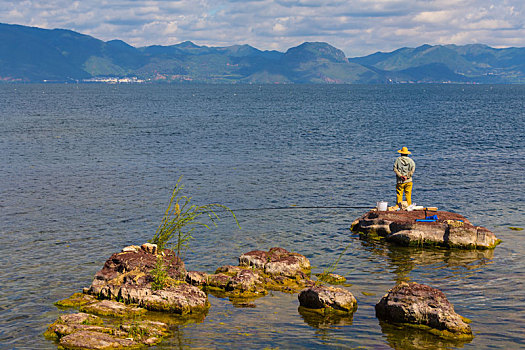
358,27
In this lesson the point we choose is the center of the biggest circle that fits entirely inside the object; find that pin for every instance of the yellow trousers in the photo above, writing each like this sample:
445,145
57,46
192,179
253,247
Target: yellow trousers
407,189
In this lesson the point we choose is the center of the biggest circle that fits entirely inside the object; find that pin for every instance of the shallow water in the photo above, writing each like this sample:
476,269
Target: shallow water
88,169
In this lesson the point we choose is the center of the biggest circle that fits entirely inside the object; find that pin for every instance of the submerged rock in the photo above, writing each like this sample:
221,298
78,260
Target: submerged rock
85,331
326,299
403,227
331,278
418,304
94,340
400,337
112,308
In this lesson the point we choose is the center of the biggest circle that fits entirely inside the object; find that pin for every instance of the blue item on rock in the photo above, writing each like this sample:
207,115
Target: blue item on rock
432,218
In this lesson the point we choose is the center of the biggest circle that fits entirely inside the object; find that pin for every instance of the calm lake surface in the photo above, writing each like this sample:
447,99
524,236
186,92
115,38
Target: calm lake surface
89,169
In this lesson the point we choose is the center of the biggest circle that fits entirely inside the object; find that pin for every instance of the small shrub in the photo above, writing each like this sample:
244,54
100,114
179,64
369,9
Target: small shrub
182,218
325,276
160,274
135,331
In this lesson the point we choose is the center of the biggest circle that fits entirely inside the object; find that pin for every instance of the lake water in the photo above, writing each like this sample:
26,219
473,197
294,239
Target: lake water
88,169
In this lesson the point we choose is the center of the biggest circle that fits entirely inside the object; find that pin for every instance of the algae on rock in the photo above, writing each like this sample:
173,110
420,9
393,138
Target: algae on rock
422,306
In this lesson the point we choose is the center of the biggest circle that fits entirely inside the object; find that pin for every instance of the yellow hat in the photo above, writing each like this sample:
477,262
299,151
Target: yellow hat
404,150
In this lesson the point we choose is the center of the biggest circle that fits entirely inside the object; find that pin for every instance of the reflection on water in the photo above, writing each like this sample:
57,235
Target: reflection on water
328,320
177,340
236,301
402,260
410,338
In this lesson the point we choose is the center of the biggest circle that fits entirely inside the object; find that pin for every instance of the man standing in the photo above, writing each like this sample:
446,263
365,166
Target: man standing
404,168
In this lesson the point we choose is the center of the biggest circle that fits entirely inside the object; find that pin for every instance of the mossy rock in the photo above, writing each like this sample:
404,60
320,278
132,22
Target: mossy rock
58,330
407,337
433,244
236,297
96,340
423,307
145,331
161,306
113,308
440,333
173,319
85,331
287,285
77,300
71,323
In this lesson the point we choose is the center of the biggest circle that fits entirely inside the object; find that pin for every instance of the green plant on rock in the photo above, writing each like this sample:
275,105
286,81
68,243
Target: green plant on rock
160,274
136,331
326,274
182,218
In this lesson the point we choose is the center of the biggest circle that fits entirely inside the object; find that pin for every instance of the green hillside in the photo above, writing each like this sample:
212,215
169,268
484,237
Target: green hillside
29,54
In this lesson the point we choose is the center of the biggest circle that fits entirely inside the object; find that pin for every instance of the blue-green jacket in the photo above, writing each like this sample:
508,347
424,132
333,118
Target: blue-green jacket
404,166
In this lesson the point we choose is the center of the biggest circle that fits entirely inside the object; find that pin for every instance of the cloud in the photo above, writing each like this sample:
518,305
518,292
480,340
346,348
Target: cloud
358,27
434,16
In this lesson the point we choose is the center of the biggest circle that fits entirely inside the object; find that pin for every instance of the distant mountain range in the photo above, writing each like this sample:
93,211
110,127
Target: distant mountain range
29,54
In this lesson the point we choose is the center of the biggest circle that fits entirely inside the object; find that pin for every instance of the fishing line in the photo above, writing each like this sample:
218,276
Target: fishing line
302,207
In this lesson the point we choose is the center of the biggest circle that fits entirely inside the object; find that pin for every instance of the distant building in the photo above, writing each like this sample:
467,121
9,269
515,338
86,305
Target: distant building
115,80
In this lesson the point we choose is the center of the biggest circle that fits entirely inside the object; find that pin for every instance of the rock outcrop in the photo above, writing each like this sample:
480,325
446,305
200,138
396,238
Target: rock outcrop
421,305
327,299
404,228
282,270
128,276
141,279
258,272
180,299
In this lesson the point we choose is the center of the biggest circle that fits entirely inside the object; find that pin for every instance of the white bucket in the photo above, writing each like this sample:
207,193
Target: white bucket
382,206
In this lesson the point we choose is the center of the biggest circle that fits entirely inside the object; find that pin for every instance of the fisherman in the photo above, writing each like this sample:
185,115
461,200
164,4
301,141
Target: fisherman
404,168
